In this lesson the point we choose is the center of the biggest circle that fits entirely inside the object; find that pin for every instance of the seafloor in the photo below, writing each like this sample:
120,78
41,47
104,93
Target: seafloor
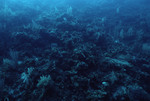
91,52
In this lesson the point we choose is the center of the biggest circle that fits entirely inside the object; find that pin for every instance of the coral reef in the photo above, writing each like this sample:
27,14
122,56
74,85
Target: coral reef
77,50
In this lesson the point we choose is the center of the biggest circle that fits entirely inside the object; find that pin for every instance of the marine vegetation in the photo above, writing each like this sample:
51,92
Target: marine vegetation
74,50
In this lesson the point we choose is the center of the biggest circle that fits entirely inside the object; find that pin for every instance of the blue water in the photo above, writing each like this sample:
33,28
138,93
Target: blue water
74,50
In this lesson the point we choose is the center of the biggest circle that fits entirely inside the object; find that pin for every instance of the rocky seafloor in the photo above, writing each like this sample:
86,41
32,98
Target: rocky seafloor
70,53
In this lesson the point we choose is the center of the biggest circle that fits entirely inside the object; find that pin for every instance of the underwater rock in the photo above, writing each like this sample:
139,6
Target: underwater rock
117,62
